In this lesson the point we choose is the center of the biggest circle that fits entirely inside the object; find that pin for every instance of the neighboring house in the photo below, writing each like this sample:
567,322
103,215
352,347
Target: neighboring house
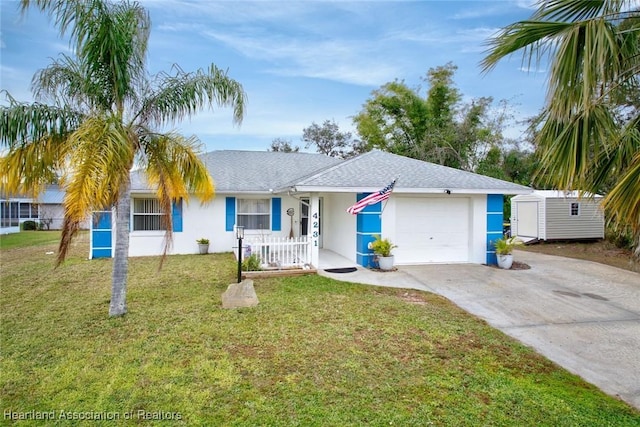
435,214
557,215
47,210
14,211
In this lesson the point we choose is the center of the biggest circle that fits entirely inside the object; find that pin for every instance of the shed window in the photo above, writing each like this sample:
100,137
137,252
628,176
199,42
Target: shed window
147,215
575,209
254,214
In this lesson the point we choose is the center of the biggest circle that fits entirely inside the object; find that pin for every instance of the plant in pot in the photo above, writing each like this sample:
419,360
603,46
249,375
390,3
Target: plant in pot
504,250
382,248
203,245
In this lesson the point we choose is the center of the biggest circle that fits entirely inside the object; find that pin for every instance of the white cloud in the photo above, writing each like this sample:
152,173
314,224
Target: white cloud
464,40
339,60
532,70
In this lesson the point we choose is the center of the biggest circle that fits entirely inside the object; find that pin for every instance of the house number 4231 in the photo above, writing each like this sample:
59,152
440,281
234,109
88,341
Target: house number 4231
315,227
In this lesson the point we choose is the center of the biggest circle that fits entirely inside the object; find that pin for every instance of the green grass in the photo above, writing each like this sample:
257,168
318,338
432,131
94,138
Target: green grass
315,352
28,238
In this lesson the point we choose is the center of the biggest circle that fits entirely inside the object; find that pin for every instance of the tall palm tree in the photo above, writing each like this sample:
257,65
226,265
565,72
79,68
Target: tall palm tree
101,122
591,131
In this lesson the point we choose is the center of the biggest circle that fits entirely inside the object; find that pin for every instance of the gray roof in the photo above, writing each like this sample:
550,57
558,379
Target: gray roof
235,171
53,194
375,169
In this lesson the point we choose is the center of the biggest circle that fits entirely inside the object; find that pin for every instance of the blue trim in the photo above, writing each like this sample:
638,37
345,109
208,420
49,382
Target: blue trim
494,222
364,256
495,203
176,215
101,253
276,214
368,223
230,213
102,220
101,237
495,218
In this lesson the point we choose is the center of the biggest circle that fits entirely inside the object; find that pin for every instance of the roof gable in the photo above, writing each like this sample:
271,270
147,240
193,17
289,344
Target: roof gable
375,169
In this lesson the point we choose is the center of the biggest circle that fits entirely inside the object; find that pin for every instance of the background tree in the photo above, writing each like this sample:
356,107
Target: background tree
437,127
101,123
590,133
283,145
329,140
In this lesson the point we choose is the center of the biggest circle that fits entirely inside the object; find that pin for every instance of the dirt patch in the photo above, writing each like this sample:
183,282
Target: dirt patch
516,265
599,251
413,298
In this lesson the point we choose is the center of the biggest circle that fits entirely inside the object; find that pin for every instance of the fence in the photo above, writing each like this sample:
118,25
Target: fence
280,252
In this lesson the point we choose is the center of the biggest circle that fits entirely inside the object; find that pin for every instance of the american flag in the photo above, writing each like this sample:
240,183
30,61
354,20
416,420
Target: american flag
372,198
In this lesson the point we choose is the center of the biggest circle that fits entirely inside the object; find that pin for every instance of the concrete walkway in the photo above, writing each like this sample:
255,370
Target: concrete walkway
582,315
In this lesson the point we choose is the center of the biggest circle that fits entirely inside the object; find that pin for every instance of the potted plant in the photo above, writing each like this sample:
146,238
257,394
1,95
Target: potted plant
203,245
382,248
504,250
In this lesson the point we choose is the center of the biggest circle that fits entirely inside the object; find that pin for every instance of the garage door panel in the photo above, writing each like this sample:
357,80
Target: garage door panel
432,230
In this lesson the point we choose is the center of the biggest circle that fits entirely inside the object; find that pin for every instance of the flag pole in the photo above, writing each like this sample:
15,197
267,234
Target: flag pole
387,200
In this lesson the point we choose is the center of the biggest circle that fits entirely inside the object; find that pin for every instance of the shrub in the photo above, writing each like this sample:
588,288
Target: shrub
382,247
251,263
505,245
29,225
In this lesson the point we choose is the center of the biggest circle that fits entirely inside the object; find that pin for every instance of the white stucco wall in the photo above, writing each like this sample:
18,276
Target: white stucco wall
208,221
339,227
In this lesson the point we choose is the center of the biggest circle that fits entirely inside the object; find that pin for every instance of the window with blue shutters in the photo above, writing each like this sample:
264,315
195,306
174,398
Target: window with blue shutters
254,214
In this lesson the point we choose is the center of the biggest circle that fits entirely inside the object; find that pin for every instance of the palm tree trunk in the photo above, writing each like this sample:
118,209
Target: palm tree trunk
118,305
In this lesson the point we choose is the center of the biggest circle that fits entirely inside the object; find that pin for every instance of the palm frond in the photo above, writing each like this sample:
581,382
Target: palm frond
173,167
535,39
183,94
23,123
566,158
64,83
27,168
102,157
624,200
110,38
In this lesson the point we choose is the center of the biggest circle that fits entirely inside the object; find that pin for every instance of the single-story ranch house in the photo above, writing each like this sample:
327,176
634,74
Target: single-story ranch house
435,214
47,210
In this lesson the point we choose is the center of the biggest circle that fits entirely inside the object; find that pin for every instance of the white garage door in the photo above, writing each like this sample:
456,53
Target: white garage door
432,230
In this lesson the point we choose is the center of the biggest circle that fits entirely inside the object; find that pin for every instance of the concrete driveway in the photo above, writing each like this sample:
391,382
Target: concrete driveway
582,315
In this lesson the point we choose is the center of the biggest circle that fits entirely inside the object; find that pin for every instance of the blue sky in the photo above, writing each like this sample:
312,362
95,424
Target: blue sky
301,61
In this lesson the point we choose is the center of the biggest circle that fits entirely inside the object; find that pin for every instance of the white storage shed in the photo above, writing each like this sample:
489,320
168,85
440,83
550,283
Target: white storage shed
557,215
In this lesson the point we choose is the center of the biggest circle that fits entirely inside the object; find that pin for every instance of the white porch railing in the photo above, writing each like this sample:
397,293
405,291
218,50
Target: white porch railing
280,252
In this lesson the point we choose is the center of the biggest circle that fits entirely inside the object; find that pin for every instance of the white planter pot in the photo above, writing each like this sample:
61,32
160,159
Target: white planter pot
385,262
505,261
203,248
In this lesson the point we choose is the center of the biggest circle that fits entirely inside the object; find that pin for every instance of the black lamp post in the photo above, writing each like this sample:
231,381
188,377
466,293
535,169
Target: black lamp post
240,236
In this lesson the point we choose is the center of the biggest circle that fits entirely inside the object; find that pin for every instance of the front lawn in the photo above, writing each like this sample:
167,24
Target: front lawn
314,352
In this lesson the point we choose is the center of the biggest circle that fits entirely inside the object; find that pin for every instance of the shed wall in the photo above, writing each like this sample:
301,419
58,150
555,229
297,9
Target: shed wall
588,224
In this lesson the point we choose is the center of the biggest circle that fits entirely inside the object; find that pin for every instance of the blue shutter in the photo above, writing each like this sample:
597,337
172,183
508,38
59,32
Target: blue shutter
276,214
176,215
230,213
